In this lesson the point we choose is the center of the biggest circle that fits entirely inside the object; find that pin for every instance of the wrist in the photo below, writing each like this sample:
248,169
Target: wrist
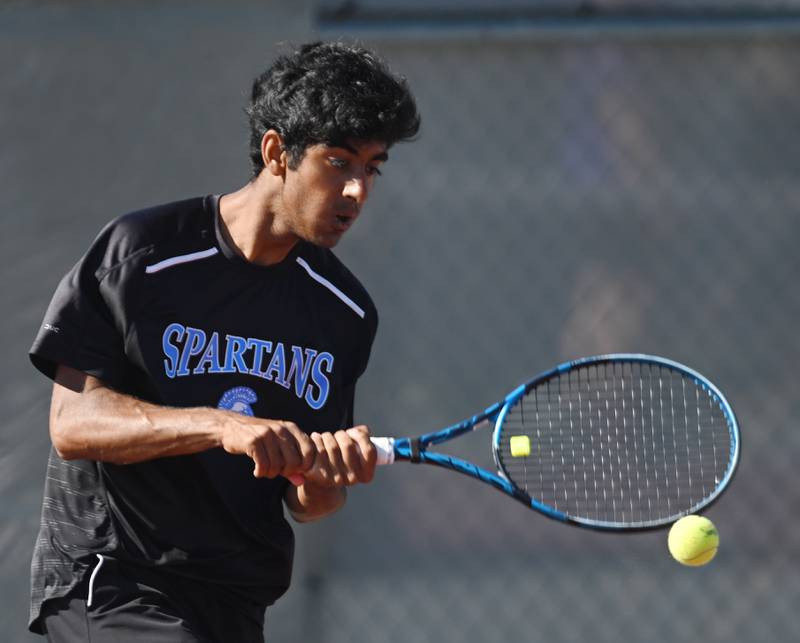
219,424
310,501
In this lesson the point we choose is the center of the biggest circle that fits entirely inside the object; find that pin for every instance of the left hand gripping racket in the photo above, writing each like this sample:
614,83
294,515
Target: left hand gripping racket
616,442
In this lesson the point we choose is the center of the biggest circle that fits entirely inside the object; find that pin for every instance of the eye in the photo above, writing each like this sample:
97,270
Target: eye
373,171
337,162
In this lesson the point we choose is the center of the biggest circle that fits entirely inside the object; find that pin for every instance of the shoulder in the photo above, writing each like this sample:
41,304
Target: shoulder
176,226
323,266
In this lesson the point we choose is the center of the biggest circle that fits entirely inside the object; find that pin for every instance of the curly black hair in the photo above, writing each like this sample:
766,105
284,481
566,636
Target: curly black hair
329,93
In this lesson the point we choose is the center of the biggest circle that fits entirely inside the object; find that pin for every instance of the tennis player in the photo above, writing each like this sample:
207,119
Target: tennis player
203,352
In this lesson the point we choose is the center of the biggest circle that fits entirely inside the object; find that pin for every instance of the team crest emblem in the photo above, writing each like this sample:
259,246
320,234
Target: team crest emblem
238,400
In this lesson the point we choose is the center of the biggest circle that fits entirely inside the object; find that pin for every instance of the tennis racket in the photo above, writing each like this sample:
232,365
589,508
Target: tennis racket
614,442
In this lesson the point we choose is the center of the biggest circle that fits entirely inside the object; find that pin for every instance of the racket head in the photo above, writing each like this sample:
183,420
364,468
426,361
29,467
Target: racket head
622,441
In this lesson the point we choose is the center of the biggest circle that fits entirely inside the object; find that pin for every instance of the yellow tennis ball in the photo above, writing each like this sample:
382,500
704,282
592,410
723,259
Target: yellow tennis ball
693,541
520,446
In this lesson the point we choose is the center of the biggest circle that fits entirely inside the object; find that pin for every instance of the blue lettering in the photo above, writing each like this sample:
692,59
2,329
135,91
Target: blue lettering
320,380
261,347
209,362
299,369
277,366
308,372
234,352
195,342
171,350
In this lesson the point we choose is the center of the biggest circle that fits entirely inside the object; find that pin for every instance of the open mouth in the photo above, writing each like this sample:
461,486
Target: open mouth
344,221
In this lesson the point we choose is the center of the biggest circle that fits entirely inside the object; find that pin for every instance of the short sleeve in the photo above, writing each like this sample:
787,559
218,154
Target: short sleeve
368,340
79,329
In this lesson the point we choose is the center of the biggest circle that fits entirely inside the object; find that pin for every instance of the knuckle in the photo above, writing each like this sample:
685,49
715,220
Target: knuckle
323,475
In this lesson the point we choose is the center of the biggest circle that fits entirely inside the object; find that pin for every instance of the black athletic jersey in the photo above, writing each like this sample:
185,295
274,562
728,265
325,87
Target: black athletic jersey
162,308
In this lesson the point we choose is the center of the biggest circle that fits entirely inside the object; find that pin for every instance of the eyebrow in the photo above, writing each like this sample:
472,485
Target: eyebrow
383,156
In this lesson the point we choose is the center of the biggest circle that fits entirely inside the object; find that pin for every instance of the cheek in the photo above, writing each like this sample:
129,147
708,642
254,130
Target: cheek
306,205
316,197
295,198
309,195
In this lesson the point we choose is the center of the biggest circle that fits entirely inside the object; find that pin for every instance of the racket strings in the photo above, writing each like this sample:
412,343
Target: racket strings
618,442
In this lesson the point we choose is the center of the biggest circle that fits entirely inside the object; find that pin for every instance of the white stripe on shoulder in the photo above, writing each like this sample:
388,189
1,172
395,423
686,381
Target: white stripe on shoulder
174,261
320,279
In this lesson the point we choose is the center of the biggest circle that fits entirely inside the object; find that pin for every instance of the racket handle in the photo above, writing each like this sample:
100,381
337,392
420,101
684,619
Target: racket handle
384,447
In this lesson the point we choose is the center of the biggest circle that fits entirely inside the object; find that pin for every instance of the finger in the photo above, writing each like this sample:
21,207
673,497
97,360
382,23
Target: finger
320,472
337,466
260,458
304,445
290,450
361,429
369,454
351,456
271,443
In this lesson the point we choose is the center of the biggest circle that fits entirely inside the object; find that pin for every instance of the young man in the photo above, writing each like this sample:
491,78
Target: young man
203,352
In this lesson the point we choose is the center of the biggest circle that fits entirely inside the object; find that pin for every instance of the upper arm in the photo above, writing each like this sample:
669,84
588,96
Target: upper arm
69,388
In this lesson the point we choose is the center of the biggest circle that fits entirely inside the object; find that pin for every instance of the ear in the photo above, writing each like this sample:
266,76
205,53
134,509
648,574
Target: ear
273,153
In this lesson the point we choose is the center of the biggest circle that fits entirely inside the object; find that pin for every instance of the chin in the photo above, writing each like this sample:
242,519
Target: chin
327,240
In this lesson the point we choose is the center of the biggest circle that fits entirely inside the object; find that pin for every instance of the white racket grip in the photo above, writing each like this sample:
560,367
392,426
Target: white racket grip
385,449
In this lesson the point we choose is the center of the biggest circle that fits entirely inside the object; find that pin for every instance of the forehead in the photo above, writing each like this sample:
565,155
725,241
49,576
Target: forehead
367,150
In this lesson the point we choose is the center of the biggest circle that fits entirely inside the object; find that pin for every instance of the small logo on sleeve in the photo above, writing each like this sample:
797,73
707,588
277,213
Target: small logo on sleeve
52,328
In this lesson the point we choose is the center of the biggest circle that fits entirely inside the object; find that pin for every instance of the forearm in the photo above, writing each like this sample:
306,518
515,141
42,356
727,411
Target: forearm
104,425
90,421
310,502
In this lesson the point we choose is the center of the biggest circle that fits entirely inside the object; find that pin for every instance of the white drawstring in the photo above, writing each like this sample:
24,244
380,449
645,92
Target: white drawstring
91,579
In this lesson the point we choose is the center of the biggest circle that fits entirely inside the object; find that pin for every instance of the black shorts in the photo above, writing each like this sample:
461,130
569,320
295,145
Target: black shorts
122,603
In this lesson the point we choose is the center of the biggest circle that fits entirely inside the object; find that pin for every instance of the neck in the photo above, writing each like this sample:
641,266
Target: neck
249,225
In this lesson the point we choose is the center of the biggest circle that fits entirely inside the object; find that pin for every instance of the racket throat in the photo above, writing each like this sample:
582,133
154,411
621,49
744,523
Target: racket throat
413,444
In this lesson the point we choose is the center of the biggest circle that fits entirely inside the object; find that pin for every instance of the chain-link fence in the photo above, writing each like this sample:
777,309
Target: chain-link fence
567,196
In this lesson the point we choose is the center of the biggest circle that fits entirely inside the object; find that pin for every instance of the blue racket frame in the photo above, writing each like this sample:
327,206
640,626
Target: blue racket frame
415,449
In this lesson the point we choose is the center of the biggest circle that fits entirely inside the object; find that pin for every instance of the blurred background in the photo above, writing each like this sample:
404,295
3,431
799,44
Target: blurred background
590,177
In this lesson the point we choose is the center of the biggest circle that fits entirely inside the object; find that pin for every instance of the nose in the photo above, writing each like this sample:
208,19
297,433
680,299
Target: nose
357,189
